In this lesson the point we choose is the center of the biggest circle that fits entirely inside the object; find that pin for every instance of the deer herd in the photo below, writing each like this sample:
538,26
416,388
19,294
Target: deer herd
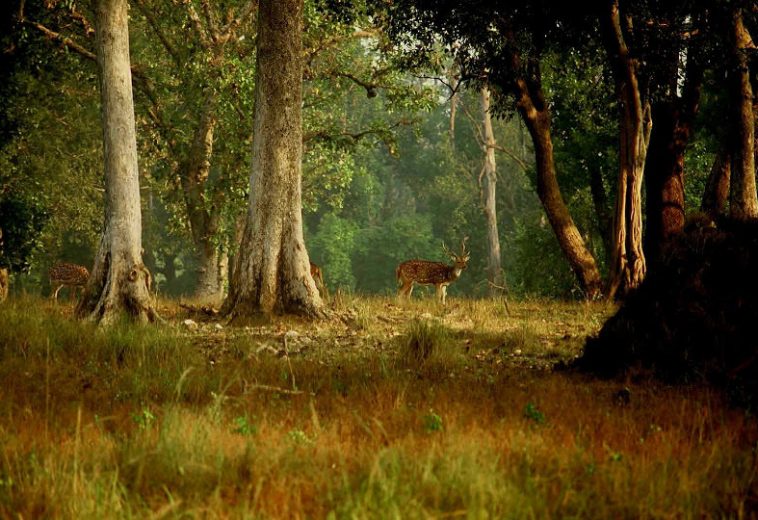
408,273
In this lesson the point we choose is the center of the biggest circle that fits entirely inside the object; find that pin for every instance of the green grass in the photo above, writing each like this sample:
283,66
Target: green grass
388,410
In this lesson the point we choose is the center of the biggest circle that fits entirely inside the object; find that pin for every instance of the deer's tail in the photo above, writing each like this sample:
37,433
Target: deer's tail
397,275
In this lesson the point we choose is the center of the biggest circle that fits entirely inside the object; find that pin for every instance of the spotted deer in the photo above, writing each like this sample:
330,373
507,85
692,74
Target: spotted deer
318,277
68,275
425,272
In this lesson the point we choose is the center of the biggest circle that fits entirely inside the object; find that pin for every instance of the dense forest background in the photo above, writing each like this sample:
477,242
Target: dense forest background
393,155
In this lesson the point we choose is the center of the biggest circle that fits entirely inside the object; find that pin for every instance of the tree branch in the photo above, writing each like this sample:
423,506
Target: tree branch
161,36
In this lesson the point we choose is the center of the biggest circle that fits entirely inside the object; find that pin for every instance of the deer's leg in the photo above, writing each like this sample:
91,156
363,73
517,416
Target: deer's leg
405,289
55,294
72,296
444,294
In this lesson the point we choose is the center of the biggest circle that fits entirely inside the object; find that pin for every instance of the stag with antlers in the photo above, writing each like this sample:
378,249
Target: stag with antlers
425,272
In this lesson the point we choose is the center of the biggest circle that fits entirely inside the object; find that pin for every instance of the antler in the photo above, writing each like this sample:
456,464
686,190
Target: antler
463,246
446,250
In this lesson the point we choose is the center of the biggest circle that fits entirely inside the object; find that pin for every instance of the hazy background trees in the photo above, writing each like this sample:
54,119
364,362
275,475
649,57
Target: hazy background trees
382,180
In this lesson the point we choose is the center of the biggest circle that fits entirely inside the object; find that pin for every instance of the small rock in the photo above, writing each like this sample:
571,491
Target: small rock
190,324
517,352
427,316
291,334
267,348
218,326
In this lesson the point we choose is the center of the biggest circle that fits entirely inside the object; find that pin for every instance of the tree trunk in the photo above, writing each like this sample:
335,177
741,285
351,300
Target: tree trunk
273,270
453,106
602,211
716,194
4,283
119,280
489,186
743,199
628,267
203,219
664,180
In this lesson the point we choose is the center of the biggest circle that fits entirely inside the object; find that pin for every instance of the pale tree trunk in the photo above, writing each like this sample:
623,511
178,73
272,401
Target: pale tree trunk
273,271
119,280
453,105
628,267
203,220
489,186
743,200
716,193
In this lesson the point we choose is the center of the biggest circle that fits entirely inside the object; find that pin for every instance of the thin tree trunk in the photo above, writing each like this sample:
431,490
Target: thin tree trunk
743,199
453,106
716,194
602,211
534,111
4,283
628,266
489,187
119,280
273,270
203,220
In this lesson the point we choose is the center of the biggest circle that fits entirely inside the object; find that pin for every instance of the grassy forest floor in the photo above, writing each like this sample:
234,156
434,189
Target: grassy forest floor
384,410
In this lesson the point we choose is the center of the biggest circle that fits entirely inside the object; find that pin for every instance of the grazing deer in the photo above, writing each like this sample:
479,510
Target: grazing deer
425,272
68,275
318,277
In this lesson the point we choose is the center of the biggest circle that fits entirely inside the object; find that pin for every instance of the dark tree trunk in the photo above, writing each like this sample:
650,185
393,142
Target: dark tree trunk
664,180
716,194
674,117
119,280
602,210
273,272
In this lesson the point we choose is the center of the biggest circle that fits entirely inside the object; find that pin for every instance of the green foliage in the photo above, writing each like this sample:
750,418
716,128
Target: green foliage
532,413
21,221
432,422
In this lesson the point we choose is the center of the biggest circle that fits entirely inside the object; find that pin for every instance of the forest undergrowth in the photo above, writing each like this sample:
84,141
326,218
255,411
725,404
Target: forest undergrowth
386,409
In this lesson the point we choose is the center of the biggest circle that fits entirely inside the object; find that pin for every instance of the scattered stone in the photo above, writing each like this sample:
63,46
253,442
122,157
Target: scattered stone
218,326
190,324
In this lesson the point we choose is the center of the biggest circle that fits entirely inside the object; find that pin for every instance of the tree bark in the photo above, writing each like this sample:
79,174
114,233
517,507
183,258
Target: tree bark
674,118
273,270
534,111
664,174
203,219
119,280
628,266
743,199
716,194
602,210
4,283
489,187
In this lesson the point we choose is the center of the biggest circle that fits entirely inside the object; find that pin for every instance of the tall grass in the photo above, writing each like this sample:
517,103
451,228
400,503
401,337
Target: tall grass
160,432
